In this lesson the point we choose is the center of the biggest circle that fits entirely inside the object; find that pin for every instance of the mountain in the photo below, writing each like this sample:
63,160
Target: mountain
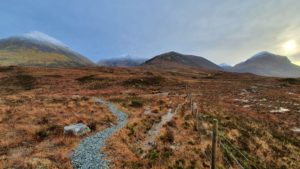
121,62
174,58
225,66
38,49
268,64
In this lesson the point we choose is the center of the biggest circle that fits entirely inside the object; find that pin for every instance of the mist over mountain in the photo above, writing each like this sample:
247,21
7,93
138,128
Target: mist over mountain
268,64
225,66
126,61
39,49
174,58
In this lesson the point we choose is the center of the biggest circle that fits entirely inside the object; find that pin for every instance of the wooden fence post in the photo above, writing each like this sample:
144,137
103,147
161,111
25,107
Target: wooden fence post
191,103
186,89
214,144
198,120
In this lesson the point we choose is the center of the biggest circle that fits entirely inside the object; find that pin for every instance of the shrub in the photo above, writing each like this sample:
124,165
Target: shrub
139,151
161,102
136,104
147,124
6,69
117,100
144,81
153,155
92,125
131,129
54,130
137,165
25,81
172,123
168,137
54,76
108,120
42,134
290,80
179,164
86,79
167,152
155,111
43,120
92,78
186,125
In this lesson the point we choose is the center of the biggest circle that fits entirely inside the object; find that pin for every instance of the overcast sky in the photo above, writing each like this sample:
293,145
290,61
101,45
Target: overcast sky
227,31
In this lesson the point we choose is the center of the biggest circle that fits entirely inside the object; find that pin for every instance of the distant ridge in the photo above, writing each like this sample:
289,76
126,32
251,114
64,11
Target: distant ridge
127,61
171,58
268,64
39,49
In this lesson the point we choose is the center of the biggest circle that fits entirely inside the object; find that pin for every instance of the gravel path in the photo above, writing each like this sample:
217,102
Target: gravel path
88,155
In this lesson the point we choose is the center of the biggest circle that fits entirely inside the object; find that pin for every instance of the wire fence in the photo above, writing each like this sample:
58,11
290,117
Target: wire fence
232,155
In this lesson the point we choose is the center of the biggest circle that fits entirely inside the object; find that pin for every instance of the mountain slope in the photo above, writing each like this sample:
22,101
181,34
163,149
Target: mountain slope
121,62
172,58
38,49
268,64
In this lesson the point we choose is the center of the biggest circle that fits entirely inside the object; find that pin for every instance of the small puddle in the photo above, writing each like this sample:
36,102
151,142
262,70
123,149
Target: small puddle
297,130
280,110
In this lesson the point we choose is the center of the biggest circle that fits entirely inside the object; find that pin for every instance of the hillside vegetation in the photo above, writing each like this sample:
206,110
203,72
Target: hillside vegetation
257,116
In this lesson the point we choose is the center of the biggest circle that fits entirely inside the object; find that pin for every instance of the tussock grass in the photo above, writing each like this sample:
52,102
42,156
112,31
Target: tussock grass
19,81
144,81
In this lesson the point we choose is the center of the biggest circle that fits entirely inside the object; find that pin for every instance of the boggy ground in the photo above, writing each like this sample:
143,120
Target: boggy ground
256,117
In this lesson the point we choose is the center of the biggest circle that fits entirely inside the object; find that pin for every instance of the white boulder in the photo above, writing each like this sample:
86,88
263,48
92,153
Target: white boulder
77,129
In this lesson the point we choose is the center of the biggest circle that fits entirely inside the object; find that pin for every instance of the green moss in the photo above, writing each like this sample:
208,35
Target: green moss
31,57
153,155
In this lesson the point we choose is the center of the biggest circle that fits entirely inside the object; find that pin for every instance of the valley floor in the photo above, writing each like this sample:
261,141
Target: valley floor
258,117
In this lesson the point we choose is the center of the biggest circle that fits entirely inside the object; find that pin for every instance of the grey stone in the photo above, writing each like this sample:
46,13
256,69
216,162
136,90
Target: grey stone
77,129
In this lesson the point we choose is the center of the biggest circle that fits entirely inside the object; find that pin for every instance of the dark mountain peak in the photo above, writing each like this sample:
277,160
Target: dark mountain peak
171,54
268,58
175,58
268,64
266,54
262,54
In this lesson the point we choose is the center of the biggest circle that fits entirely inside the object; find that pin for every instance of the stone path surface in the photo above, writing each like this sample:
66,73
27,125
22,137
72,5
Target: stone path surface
88,155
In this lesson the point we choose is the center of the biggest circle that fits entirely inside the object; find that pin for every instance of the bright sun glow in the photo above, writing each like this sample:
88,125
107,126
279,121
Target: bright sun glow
290,46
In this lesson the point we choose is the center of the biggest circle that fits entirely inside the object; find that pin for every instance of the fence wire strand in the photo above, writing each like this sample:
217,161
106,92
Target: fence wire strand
232,156
222,143
233,146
